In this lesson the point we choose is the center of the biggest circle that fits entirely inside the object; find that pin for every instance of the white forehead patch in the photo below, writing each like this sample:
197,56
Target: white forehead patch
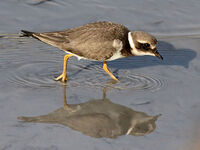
141,41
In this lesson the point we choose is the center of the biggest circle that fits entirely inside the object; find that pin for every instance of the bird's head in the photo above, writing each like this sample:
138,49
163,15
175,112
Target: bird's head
143,43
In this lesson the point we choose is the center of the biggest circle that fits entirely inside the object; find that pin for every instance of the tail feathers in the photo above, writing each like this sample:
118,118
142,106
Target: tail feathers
26,33
27,119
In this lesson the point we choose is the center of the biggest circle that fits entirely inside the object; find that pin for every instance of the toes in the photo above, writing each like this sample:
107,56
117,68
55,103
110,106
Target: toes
61,78
116,79
64,80
57,79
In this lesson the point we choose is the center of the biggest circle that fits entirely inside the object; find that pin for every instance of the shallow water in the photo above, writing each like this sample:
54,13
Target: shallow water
169,87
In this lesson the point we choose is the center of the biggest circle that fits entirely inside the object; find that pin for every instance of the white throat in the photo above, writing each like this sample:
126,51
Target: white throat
134,50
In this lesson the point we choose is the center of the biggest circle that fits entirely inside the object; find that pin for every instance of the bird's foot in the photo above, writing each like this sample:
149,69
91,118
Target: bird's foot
114,78
62,78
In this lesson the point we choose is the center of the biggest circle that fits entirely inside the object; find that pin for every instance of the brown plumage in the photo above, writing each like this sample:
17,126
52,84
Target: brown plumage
101,41
92,41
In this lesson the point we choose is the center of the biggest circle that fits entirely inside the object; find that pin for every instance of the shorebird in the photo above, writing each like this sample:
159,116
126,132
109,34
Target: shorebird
100,41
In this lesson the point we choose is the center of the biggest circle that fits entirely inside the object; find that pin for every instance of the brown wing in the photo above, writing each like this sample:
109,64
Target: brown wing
53,38
93,41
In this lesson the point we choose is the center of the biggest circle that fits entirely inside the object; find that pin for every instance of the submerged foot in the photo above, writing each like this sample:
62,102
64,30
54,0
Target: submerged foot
62,78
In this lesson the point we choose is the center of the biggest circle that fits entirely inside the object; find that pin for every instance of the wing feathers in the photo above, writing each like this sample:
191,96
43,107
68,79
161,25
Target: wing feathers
93,41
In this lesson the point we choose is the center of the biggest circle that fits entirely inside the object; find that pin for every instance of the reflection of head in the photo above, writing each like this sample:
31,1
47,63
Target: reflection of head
142,126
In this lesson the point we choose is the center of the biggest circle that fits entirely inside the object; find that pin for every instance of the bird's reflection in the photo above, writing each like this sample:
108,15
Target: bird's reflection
99,118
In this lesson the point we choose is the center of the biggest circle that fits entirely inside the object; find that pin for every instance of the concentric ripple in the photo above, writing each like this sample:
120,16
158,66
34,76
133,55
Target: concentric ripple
95,76
139,82
34,75
42,73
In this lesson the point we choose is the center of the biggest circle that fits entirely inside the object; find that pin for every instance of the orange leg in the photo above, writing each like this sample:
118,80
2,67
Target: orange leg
63,76
106,70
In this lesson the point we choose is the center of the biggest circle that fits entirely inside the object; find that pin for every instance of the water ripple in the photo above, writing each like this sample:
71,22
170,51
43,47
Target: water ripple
139,82
34,75
97,77
41,74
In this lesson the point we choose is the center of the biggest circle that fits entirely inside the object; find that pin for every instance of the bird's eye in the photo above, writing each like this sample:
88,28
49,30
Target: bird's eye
147,45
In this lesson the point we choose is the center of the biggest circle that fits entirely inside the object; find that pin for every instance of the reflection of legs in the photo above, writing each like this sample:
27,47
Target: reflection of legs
106,70
66,106
106,87
63,76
